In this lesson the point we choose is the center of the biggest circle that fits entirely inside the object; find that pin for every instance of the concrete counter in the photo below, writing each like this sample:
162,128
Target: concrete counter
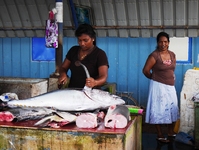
24,136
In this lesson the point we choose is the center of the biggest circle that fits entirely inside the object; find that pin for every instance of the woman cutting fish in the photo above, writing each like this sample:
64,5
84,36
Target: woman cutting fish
90,56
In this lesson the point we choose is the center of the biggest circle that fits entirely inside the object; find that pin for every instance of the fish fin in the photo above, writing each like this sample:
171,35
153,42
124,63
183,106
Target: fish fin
43,122
56,113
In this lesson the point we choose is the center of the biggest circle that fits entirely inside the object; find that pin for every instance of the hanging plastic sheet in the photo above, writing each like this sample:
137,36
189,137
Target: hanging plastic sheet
51,35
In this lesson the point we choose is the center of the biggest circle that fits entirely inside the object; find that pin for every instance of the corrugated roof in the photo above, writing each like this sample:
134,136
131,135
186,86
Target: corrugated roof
112,18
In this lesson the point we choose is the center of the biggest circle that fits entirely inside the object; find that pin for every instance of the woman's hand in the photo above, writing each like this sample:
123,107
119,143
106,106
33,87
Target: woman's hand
90,82
62,79
148,66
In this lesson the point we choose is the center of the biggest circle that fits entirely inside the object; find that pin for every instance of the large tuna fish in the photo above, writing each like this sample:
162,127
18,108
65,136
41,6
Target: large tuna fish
69,100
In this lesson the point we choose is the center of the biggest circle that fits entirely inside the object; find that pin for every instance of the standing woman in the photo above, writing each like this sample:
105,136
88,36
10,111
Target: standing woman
162,105
92,57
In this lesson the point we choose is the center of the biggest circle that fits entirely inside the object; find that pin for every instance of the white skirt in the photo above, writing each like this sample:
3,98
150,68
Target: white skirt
162,105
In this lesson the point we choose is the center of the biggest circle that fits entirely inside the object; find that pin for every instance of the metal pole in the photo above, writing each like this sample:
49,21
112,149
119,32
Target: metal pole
59,50
73,13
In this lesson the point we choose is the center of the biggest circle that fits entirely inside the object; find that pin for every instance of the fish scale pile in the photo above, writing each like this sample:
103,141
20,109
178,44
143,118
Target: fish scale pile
61,107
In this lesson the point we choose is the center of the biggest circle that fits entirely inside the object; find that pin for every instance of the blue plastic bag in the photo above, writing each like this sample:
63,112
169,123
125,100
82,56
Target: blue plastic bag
184,138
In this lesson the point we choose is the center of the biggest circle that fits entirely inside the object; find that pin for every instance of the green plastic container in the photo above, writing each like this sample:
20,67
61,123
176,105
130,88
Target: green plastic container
196,134
135,110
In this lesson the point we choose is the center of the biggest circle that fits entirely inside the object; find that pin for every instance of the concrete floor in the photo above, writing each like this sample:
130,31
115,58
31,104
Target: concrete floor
149,141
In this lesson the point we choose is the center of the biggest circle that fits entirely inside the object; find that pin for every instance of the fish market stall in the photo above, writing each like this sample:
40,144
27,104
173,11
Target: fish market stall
101,121
24,135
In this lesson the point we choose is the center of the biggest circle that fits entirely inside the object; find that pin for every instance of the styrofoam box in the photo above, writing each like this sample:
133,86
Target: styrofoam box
189,89
23,87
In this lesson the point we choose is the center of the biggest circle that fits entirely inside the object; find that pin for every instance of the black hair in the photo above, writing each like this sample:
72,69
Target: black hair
86,29
162,34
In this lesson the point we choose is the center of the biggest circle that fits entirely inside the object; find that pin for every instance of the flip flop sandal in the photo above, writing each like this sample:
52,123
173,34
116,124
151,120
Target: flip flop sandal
163,140
174,135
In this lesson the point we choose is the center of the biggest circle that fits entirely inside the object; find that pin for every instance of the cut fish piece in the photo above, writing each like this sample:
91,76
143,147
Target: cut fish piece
117,116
